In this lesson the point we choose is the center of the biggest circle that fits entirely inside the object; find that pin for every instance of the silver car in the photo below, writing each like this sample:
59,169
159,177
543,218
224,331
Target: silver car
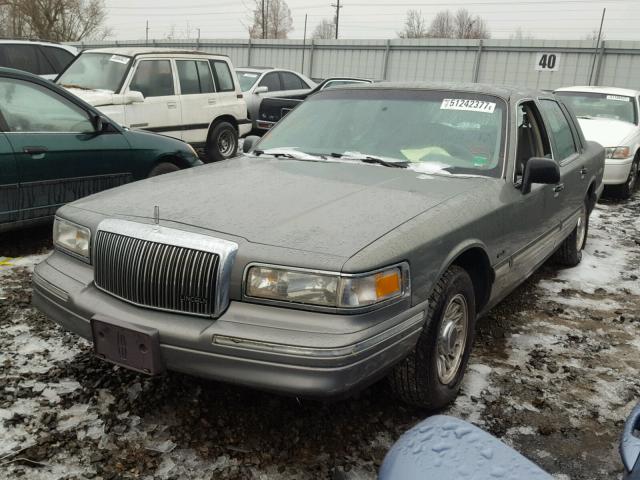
257,83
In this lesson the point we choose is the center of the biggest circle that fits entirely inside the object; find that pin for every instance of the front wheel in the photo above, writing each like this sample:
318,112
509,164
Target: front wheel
430,376
570,252
222,142
162,168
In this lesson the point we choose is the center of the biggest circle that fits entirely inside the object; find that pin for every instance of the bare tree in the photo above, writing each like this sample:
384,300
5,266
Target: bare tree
277,19
442,25
58,20
520,34
414,26
325,30
469,26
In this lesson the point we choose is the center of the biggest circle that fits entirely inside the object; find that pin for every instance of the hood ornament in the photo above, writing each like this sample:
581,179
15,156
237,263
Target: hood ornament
156,215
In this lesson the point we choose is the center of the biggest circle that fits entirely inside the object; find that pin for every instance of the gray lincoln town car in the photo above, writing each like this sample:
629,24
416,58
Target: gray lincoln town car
361,237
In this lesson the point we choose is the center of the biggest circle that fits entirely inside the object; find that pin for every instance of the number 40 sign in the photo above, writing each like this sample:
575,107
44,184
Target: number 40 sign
547,62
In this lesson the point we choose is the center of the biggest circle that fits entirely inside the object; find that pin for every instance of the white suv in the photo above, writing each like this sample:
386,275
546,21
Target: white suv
193,96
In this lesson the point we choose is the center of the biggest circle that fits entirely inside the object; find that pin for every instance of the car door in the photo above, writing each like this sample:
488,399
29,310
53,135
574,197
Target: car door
198,98
568,196
529,233
58,154
161,110
228,100
8,183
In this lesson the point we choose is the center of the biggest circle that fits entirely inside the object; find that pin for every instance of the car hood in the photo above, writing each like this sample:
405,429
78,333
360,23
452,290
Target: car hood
95,98
607,132
323,207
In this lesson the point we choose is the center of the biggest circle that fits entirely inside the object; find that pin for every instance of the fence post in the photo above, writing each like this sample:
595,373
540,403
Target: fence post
249,52
386,60
601,55
476,63
313,46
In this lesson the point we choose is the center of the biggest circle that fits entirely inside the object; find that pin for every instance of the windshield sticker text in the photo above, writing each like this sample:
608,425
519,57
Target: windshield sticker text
468,105
618,98
119,59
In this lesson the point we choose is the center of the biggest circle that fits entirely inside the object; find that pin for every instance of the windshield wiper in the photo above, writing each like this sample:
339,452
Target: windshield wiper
287,153
588,117
372,159
72,85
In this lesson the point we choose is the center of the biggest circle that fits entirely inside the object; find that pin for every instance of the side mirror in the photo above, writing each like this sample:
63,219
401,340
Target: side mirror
261,89
133,96
540,170
98,124
249,143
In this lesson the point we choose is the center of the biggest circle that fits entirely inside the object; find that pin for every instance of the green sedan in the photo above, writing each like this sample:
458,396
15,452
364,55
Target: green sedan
55,148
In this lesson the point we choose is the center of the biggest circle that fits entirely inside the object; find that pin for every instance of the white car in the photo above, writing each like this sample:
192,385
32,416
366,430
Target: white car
192,96
264,82
610,116
46,59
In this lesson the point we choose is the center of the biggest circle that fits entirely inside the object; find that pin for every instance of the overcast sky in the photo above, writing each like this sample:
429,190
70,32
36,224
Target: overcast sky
373,19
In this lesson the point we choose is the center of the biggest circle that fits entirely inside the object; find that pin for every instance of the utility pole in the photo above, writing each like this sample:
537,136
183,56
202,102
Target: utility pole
147,33
304,42
266,22
595,53
263,21
337,7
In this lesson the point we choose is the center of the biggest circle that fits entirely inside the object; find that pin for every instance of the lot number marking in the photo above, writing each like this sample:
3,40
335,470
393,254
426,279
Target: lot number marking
547,62
468,105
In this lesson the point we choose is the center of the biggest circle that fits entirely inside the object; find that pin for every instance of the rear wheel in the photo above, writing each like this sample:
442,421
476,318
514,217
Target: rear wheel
430,376
625,190
162,168
222,142
570,252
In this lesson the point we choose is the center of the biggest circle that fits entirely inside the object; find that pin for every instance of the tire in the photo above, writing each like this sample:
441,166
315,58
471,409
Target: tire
162,168
416,380
570,252
625,190
222,142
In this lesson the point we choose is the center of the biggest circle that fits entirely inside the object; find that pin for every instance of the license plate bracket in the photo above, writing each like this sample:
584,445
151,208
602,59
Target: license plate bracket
130,346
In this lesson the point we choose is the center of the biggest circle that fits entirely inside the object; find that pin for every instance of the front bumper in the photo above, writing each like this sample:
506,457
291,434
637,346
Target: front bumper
616,171
272,348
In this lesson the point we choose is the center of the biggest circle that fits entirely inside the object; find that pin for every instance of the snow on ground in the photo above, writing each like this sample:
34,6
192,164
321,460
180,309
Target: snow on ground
554,372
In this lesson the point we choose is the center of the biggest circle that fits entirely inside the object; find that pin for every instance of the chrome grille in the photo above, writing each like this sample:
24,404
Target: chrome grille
156,275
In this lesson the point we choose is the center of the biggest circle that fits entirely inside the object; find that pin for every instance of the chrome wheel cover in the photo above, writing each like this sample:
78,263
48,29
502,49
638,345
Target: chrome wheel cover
581,228
226,143
452,338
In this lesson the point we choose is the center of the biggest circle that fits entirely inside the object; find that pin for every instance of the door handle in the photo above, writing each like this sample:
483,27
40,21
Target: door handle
583,171
212,101
172,105
35,150
558,188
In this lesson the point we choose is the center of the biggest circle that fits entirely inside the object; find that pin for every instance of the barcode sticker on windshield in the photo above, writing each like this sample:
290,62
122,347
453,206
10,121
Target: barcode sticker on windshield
119,59
619,98
467,104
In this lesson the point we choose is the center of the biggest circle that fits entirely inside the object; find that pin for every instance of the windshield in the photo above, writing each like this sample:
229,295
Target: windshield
95,71
430,131
601,105
247,79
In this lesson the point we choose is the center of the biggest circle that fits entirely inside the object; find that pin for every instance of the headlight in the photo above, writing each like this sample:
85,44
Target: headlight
618,152
324,289
193,150
71,237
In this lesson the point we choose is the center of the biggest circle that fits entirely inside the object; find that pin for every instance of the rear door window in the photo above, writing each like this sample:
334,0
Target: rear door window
563,140
195,77
25,57
291,81
222,74
154,78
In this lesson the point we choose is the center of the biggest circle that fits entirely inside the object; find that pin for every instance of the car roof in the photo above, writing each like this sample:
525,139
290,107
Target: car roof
135,51
257,69
507,92
23,41
627,92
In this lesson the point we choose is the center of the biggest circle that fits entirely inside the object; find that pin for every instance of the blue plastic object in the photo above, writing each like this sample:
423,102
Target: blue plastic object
445,448
630,446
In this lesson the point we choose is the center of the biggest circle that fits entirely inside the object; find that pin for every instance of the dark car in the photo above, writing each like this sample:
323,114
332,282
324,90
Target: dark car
361,237
55,148
274,108
47,59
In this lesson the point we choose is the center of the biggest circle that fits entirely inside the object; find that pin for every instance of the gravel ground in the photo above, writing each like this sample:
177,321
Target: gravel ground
554,373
